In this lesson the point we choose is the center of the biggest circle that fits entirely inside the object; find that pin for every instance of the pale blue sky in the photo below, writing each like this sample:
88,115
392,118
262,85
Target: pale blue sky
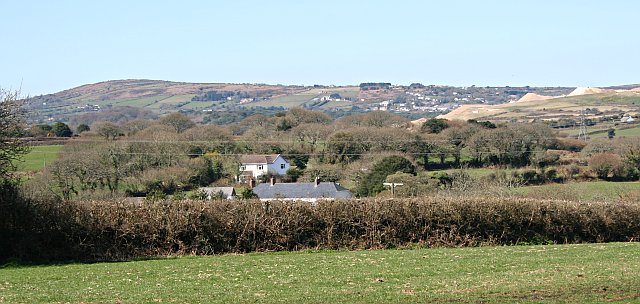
50,46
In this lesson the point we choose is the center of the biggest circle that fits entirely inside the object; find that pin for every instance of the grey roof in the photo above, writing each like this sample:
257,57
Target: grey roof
301,190
259,159
226,191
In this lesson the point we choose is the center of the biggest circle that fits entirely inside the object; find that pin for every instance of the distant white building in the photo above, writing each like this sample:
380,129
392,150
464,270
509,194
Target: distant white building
627,119
257,165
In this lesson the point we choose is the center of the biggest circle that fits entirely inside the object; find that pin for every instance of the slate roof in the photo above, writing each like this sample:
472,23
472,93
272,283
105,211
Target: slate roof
226,191
301,191
259,159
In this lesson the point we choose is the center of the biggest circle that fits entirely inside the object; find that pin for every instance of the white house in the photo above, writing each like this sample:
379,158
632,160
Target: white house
256,165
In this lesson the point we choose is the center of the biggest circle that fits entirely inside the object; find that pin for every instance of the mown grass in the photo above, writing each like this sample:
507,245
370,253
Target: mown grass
588,273
39,157
582,191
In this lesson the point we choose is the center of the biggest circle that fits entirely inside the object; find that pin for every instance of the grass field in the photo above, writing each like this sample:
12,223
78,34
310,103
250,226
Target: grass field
289,101
173,100
588,273
39,157
583,191
631,132
194,105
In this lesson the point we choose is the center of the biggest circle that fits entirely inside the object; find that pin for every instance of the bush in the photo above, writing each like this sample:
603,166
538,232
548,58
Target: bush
603,164
543,159
61,129
570,144
294,174
434,125
551,174
625,172
371,184
530,176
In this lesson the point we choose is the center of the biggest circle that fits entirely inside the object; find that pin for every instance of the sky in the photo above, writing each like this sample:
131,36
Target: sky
49,46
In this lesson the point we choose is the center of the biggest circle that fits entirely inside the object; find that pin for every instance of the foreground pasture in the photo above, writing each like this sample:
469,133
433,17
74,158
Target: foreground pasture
558,273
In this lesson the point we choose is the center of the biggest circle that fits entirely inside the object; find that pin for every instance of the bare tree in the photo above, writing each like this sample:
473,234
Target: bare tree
107,129
177,121
11,129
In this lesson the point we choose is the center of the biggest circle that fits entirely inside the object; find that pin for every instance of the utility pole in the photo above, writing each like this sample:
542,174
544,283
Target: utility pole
393,187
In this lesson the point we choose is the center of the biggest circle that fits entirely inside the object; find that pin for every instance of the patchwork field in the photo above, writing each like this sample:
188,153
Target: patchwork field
306,98
589,273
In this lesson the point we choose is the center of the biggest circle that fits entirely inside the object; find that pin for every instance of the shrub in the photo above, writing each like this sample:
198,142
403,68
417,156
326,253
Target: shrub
543,159
294,174
551,174
371,184
570,144
603,164
246,193
530,176
434,125
61,129
625,172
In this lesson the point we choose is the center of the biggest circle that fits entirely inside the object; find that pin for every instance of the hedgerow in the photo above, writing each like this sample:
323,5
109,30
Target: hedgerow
118,230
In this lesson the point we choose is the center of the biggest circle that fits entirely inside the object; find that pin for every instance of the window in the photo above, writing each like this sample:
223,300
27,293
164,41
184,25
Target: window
282,166
259,167
243,168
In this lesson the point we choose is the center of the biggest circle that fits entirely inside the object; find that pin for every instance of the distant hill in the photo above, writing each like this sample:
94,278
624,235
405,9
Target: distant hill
165,96
151,98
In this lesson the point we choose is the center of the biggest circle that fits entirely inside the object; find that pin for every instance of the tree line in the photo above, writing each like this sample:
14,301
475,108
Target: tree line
174,155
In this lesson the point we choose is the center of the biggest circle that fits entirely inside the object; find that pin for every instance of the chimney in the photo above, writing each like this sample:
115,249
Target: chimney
273,181
317,182
251,183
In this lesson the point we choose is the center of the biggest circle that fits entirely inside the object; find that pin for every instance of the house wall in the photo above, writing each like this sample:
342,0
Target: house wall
254,168
277,166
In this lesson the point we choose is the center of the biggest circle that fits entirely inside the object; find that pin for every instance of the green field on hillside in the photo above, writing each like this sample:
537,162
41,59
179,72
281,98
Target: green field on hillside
140,102
300,99
587,273
172,100
39,157
194,105
289,101
632,132
600,131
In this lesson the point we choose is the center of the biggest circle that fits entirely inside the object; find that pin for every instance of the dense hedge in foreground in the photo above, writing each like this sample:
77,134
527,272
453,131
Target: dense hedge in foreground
120,230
